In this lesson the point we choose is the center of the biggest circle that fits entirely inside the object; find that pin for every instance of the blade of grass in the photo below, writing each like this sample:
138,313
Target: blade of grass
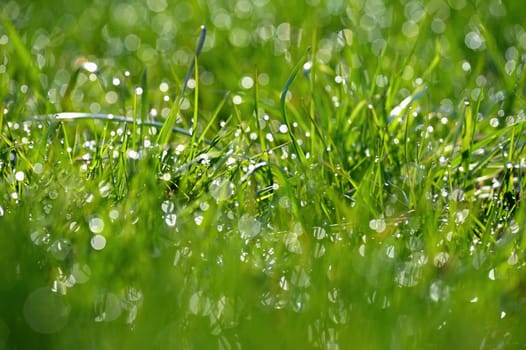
196,109
24,56
212,119
164,134
283,99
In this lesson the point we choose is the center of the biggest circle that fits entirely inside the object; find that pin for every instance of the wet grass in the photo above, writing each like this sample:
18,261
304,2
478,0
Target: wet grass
321,175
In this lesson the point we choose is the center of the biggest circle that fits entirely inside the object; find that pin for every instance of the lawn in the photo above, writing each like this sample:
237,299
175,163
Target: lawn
259,174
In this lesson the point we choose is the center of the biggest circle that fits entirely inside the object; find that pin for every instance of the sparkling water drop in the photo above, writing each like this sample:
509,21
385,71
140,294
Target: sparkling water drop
167,206
248,226
491,274
361,250
38,168
114,214
20,176
45,312
441,259
170,219
221,189
98,242
513,259
96,224
81,273
319,233
390,251
198,220
377,225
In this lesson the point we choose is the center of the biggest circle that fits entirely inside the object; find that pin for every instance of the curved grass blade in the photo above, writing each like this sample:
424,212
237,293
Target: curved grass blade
68,116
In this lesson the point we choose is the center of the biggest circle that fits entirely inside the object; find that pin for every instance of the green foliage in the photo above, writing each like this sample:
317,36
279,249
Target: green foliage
319,174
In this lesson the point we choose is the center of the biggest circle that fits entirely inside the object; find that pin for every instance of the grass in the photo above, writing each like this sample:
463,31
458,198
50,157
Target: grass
332,175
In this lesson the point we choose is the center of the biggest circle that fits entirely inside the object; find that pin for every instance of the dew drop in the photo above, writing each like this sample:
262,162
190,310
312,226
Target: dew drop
81,273
361,250
38,168
513,259
96,224
247,82
221,189
283,129
114,214
170,219
441,259
491,274
390,251
167,206
98,242
248,226
494,122
45,312
319,233
377,225
20,176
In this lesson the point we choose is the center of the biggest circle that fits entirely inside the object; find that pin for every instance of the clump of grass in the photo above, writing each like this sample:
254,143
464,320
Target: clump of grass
341,201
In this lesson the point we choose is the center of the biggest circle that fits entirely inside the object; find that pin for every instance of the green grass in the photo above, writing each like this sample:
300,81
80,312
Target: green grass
335,175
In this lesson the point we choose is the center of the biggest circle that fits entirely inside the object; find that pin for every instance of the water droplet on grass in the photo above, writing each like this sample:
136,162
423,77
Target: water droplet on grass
114,214
198,219
494,122
513,259
167,206
45,312
248,226
170,219
221,189
460,216
491,274
361,250
237,100
319,233
98,242
81,273
96,224
438,291
60,249
108,306
292,243
319,250
408,275
283,128
390,251
441,259
104,189
38,168
478,259
247,82
40,237
378,225
19,176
